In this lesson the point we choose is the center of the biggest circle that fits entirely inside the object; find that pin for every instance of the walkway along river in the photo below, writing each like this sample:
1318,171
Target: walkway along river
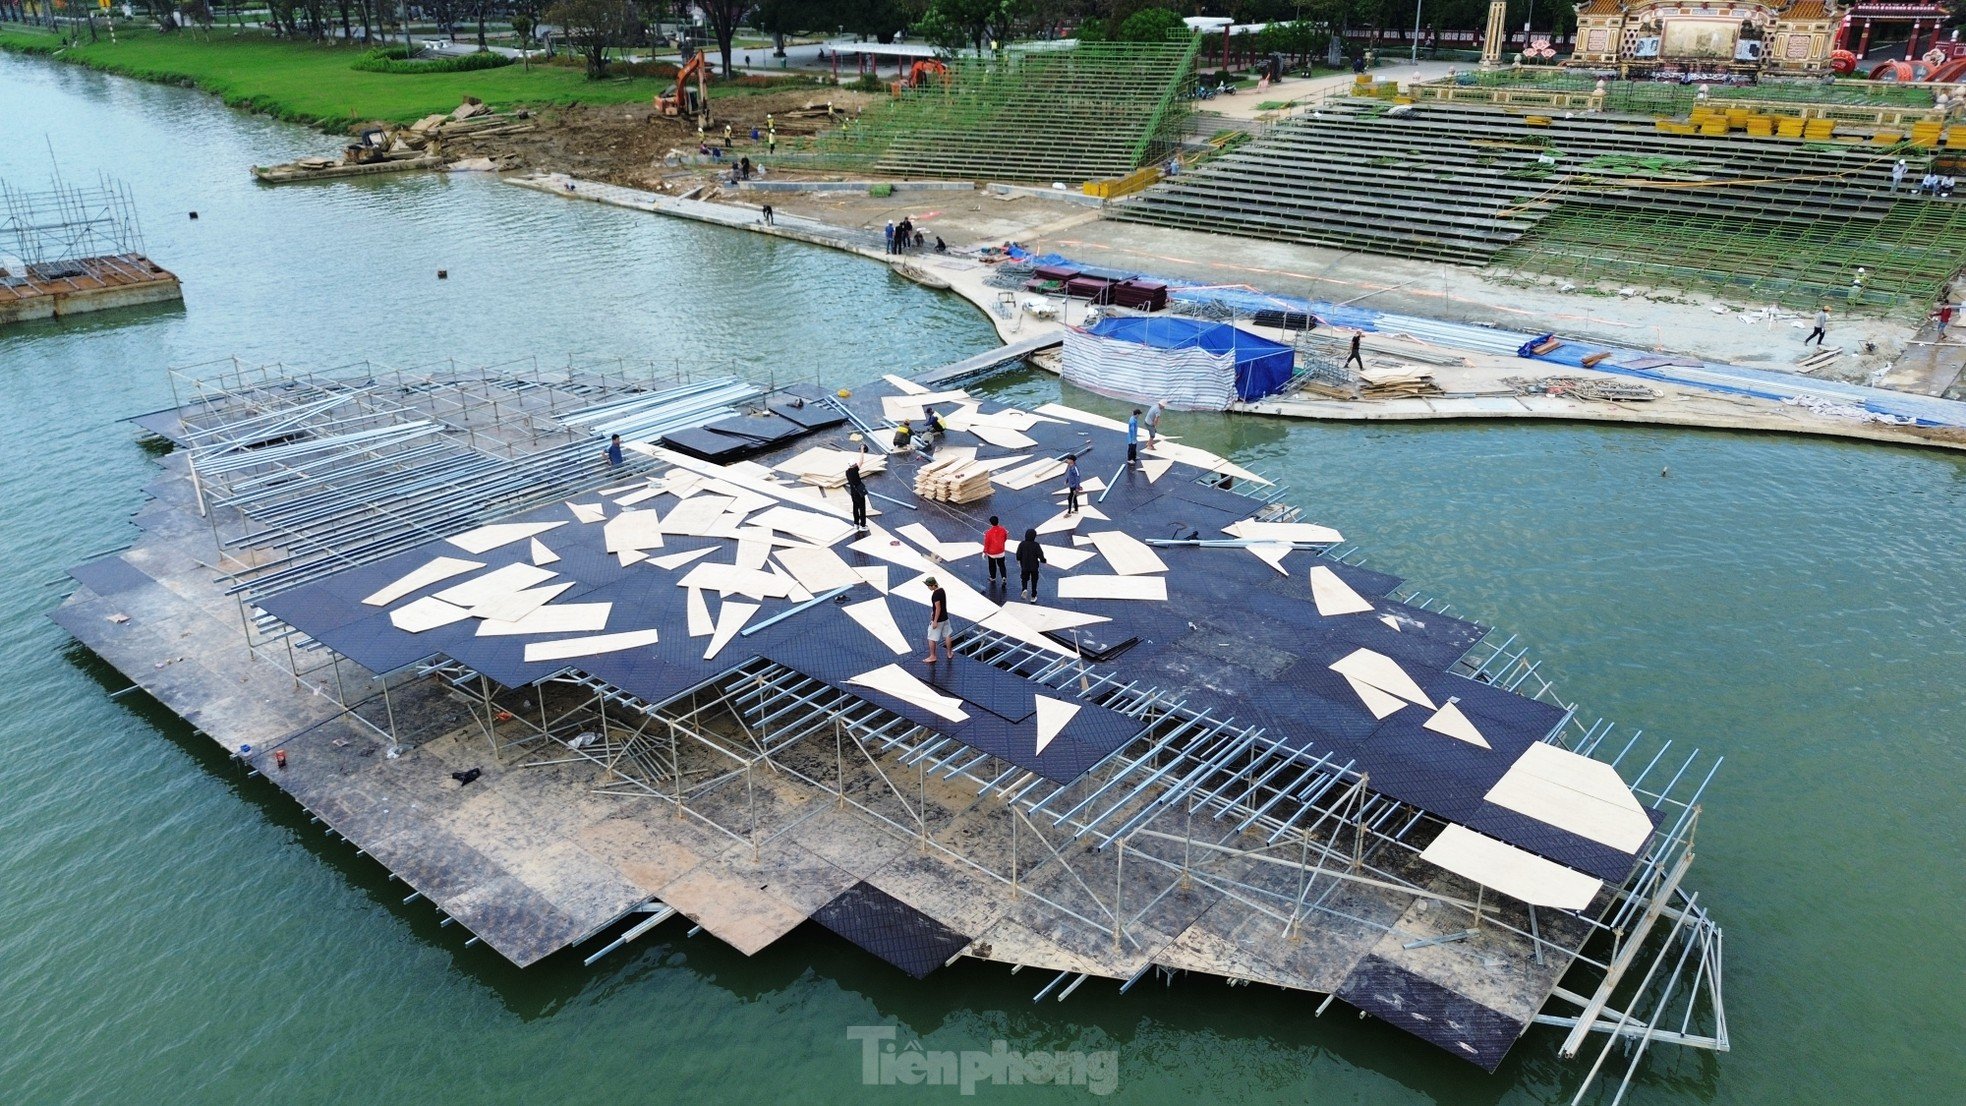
176,931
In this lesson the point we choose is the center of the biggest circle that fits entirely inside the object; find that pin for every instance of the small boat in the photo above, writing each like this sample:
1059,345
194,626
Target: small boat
920,276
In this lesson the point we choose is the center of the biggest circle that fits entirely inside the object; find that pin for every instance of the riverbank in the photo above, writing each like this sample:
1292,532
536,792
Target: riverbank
1470,384
316,84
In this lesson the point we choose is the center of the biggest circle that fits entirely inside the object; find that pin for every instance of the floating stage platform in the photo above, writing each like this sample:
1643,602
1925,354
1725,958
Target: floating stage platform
58,289
566,700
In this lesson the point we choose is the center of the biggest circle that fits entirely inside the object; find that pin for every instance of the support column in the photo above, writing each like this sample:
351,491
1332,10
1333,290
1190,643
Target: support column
1911,44
1863,45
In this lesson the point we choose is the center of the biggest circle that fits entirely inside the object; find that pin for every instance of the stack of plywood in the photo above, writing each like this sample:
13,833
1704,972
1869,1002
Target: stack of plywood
1396,383
954,478
825,467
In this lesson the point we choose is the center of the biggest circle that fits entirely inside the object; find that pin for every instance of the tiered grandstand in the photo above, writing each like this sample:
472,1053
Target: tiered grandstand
1588,197
1095,111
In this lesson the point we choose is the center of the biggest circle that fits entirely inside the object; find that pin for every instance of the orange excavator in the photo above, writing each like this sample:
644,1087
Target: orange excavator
918,75
684,99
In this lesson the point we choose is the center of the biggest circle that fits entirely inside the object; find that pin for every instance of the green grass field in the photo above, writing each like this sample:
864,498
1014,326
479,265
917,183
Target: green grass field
308,83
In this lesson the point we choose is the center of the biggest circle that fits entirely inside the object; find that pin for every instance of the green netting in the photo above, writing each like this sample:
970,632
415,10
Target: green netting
1095,111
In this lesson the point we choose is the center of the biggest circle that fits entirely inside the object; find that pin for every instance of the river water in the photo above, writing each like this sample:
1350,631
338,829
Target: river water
170,931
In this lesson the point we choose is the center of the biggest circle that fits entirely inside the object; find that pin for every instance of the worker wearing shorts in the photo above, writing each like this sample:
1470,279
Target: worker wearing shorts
938,619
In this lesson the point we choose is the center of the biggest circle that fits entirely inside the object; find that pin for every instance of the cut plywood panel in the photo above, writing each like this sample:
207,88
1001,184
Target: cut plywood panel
633,530
1450,721
818,569
892,680
1155,468
426,614
497,582
698,608
742,581
1334,596
541,555
1202,459
1059,523
731,618
1382,672
874,575
752,480
999,436
567,618
923,537
897,408
630,556
1025,476
638,496
1085,418
1391,621
1272,553
809,526
880,544
1055,556
905,385
515,605
1087,487
752,553
1128,555
1045,619
431,572
484,539
568,648
1512,871
1052,716
875,618
1574,793
674,561
695,516
1113,587
965,602
1302,532
588,512
1382,704
1015,628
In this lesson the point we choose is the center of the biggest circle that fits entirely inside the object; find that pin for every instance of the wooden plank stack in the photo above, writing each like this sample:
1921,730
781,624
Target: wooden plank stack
953,479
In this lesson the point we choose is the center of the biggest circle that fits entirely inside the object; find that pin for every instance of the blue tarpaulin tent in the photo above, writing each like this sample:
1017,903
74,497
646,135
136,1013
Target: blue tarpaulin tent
1262,367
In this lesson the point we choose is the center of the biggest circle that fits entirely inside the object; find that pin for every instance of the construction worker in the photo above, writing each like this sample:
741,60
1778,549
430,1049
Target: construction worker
1822,327
1856,285
727,136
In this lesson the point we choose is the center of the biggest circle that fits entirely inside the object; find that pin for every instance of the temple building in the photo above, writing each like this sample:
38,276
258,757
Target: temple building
1778,36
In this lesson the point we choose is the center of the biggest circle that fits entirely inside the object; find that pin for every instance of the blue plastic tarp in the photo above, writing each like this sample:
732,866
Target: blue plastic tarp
1262,367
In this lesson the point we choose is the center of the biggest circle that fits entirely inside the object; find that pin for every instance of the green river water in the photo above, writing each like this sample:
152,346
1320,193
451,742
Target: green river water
173,932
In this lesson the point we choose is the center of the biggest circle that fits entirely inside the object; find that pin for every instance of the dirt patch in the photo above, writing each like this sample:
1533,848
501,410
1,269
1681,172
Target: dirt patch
628,144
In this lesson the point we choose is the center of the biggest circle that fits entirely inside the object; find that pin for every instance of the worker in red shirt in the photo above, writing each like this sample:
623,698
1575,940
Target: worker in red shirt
994,540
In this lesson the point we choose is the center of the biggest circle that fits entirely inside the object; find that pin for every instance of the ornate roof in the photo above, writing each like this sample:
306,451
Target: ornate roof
1600,7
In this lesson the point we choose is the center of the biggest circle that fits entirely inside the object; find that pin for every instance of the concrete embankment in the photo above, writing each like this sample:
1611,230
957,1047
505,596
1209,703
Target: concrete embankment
1473,384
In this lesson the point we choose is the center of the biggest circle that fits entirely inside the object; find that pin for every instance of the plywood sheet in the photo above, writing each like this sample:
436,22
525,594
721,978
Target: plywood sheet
810,526
1043,619
567,618
1306,532
731,618
1010,626
1025,476
1450,721
1055,557
892,680
875,617
1052,716
1201,459
1272,554
697,610
514,605
541,554
910,406
484,539
741,581
427,613
432,571
637,496
674,561
1334,596
905,385
1512,871
1113,587
1382,672
694,516
633,530
1575,793
753,553
1382,704
1155,467
588,512
874,575
818,569
1085,418
497,582
1128,555
880,544
568,648
630,556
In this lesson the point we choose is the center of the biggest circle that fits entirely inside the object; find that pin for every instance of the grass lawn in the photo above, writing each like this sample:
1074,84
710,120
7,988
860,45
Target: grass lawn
309,83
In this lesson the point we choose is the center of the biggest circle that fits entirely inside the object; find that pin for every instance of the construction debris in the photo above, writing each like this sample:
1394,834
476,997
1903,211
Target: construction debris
1575,387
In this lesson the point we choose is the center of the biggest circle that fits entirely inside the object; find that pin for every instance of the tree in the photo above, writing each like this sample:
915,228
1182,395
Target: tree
954,24
1150,25
724,16
591,26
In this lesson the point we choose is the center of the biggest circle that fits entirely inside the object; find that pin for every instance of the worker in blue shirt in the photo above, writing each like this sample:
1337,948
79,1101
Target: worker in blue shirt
1072,485
614,451
1133,439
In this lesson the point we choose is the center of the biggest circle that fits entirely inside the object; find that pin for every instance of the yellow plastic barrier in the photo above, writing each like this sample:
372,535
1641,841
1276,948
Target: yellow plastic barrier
1789,128
1121,186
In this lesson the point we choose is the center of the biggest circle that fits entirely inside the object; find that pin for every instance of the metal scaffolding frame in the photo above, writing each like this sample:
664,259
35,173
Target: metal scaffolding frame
66,223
